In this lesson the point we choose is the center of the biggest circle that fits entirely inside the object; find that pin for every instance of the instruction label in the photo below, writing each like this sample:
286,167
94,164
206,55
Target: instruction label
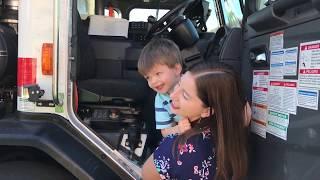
309,64
308,98
290,61
260,86
259,119
283,96
276,64
276,41
259,102
278,123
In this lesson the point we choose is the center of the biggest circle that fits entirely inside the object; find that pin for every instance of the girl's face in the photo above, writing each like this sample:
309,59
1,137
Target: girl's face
185,101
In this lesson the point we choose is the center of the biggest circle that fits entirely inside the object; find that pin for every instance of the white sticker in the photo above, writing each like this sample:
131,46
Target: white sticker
278,124
260,86
276,41
259,119
25,105
308,98
290,61
276,64
283,96
309,64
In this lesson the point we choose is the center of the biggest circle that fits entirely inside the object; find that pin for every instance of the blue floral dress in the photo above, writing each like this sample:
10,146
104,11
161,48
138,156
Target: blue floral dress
194,160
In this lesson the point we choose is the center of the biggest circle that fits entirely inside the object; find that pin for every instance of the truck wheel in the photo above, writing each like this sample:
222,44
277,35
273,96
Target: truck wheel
33,170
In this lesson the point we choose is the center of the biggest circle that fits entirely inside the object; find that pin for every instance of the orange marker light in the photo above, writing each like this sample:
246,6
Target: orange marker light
47,52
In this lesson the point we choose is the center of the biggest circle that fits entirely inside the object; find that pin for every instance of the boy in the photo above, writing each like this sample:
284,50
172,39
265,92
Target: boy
160,62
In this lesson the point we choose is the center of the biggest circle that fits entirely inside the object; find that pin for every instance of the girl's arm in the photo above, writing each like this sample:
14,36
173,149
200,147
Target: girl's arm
149,170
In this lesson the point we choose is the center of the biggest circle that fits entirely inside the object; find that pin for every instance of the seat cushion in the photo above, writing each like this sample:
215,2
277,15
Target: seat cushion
124,88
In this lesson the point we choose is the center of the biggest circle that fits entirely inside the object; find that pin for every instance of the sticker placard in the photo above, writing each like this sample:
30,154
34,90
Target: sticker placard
290,61
309,65
276,64
278,123
308,98
260,86
259,119
276,41
283,96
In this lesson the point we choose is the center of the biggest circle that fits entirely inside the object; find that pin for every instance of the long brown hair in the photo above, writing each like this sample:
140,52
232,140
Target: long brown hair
219,88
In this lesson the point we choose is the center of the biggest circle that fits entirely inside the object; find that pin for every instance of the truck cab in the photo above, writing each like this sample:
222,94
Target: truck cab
73,105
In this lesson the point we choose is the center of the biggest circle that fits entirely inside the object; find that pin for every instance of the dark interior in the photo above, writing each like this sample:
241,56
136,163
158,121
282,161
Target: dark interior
114,99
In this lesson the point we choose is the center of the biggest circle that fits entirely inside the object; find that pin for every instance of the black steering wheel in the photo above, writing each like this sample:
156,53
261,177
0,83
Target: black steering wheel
159,26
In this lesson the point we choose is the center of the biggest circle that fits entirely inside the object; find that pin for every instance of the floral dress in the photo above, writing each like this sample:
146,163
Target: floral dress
194,160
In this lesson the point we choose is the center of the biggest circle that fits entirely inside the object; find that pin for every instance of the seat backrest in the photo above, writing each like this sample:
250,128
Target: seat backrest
86,65
226,47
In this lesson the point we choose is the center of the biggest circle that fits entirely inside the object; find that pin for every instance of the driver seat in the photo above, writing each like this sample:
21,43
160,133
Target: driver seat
226,47
119,86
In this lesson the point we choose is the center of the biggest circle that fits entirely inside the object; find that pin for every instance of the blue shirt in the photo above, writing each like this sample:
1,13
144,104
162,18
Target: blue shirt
193,160
164,117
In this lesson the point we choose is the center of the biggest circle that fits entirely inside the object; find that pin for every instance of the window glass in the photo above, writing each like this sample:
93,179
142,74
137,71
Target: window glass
212,22
115,12
140,14
261,4
232,12
85,8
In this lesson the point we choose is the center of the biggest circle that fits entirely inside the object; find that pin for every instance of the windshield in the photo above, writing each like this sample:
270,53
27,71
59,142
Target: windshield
232,12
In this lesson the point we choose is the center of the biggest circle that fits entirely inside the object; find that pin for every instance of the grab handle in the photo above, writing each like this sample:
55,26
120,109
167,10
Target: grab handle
55,75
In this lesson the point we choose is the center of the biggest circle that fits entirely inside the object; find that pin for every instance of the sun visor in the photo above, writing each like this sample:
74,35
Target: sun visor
108,26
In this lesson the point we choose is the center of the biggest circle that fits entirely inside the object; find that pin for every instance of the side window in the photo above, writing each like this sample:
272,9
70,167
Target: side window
116,12
141,14
85,8
212,21
232,12
261,4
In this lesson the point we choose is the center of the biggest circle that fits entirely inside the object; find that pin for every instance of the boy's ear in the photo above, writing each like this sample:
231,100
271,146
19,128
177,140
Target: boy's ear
206,112
178,68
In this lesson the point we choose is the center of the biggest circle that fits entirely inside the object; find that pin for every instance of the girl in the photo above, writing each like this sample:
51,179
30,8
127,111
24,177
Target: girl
210,96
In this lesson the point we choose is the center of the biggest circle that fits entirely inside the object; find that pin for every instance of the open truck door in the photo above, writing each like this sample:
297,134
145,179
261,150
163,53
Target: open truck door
281,71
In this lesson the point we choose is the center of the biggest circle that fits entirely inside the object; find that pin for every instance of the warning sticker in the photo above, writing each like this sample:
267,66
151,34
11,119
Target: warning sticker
276,64
278,123
283,96
308,98
260,86
309,64
276,41
259,119
290,61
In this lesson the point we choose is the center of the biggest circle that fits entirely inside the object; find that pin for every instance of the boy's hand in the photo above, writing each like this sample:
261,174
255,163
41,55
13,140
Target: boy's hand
184,125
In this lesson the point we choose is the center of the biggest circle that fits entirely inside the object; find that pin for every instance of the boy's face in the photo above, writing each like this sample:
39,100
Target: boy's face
162,79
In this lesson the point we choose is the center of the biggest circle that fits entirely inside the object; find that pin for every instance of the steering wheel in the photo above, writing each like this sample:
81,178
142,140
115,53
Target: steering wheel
159,26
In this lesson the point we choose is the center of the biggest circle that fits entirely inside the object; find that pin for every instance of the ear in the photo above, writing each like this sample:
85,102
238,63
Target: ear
206,112
178,69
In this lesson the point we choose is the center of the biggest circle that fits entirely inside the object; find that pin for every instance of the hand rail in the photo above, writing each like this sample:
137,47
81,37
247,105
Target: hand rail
55,75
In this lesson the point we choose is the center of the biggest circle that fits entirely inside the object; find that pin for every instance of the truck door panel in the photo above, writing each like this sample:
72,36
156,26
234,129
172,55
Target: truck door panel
298,157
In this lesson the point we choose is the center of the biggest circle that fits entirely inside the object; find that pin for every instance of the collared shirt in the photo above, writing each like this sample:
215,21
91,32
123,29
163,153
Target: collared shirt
164,117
